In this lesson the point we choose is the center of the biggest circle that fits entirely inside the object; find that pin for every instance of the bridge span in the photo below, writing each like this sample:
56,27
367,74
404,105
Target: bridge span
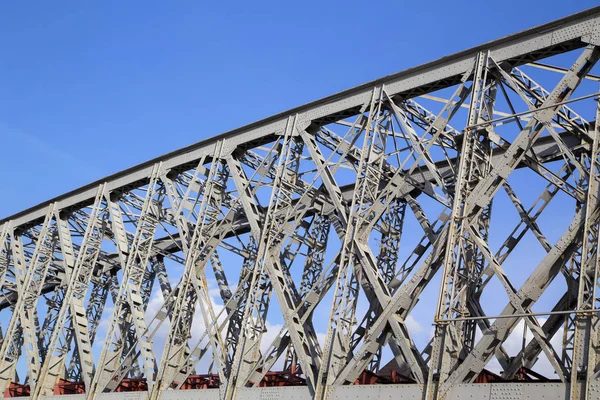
432,234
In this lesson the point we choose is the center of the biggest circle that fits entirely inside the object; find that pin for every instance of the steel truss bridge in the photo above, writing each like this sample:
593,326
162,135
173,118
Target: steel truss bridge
464,190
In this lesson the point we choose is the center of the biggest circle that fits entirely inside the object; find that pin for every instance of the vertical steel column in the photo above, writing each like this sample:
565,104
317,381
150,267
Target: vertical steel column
460,265
71,314
401,303
24,314
193,288
268,271
585,346
342,319
573,272
128,308
475,262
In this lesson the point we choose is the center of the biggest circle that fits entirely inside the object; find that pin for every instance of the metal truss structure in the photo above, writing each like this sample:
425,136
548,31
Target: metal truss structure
299,250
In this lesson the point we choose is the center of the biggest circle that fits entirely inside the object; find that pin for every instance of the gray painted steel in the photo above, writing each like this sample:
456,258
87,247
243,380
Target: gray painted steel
497,391
447,172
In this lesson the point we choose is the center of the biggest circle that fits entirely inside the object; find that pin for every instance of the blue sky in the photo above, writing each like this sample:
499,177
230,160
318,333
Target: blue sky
88,89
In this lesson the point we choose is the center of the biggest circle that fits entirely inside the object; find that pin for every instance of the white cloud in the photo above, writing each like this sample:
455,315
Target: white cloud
413,326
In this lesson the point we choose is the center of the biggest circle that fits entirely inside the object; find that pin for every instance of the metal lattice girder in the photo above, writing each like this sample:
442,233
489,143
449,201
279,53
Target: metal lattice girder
193,287
485,189
24,315
387,259
101,287
347,284
312,204
313,267
272,237
420,281
79,269
213,238
541,146
462,261
128,309
404,345
236,321
9,363
395,187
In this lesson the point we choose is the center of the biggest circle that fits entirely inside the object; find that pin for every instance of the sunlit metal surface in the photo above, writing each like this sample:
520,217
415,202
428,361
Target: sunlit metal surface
300,256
